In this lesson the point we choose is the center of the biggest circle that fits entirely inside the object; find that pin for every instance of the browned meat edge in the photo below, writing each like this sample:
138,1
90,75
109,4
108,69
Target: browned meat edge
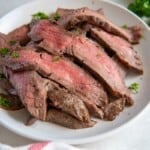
70,103
32,90
123,50
66,120
92,17
60,71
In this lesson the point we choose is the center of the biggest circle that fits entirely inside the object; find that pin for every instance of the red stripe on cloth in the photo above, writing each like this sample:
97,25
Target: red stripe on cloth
38,146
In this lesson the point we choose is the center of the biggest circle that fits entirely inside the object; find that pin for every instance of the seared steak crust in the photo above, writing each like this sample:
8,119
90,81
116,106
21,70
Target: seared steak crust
87,15
66,120
123,49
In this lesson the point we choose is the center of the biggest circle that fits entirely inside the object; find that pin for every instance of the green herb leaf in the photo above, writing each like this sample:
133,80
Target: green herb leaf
56,58
141,8
55,16
125,26
4,51
134,87
14,54
39,16
4,102
2,76
12,43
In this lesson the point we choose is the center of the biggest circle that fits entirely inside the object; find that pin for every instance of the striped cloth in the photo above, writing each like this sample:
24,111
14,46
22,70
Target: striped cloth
41,146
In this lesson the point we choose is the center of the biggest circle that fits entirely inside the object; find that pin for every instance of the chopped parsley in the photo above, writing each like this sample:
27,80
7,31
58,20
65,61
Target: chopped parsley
56,58
4,51
2,76
4,102
134,87
141,8
55,16
125,26
14,54
39,16
12,43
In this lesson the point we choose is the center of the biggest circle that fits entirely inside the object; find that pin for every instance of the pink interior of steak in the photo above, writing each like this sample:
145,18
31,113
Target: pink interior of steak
32,91
62,71
83,49
123,49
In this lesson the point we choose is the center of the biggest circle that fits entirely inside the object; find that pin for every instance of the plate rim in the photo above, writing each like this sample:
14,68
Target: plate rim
91,138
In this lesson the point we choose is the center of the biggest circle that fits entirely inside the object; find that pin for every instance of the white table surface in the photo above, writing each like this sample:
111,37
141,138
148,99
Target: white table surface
135,136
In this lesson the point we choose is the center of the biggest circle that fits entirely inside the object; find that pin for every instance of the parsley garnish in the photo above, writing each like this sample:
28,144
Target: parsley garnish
14,54
56,58
39,16
125,26
4,102
141,8
4,51
134,87
55,16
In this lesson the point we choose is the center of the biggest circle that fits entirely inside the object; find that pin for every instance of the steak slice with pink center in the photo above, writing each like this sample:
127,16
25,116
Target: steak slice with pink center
86,51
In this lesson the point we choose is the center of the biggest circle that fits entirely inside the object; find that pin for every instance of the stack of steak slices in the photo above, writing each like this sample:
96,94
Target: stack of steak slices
67,78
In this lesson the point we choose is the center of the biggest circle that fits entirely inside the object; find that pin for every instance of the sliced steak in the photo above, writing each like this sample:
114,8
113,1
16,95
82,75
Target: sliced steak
92,17
120,47
3,41
136,33
63,11
20,35
113,109
6,88
55,40
68,102
62,71
7,42
32,90
121,67
66,120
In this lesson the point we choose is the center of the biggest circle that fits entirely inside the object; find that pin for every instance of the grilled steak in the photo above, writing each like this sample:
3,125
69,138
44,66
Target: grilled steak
62,99
7,42
66,120
3,41
32,90
136,33
20,35
6,88
113,109
85,14
70,68
62,71
121,67
63,11
121,47
55,40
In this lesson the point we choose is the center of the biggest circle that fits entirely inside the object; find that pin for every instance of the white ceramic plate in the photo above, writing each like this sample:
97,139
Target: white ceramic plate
48,131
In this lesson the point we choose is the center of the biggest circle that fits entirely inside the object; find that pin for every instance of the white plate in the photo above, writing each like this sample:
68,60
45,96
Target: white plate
48,131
